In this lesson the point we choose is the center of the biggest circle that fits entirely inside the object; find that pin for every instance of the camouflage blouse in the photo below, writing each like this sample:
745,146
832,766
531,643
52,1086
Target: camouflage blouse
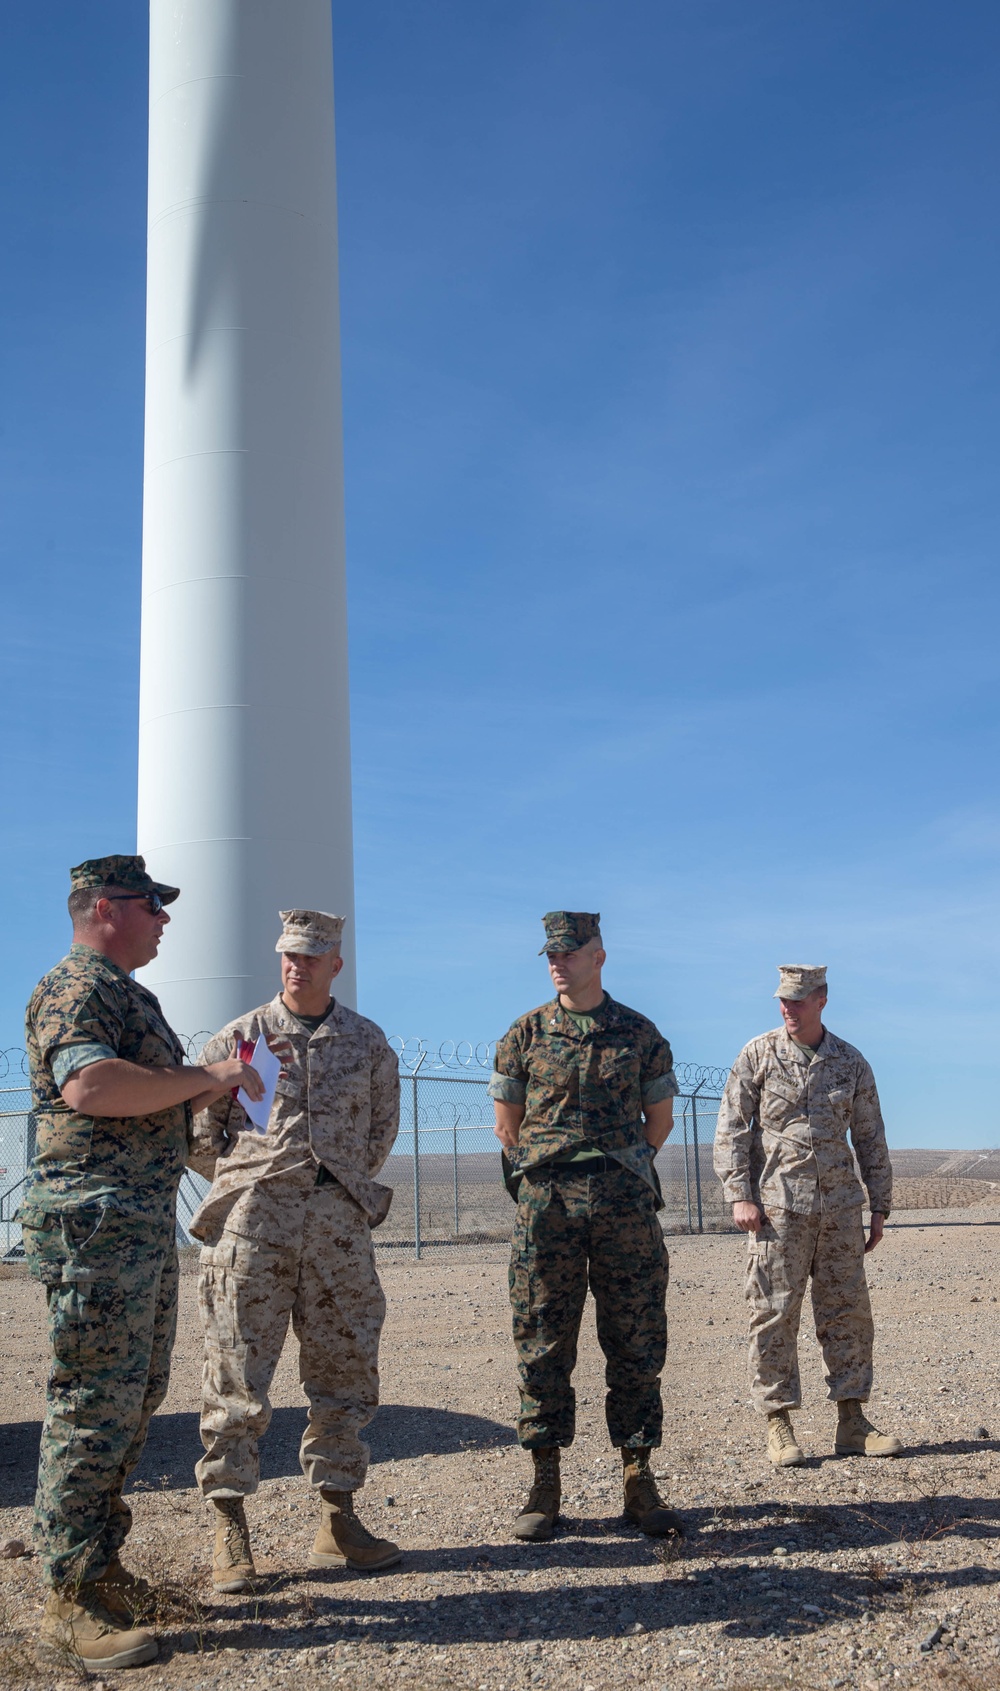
784,1121
133,1164
583,1087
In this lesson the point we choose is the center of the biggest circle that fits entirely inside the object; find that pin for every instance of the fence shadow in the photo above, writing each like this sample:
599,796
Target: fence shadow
398,1430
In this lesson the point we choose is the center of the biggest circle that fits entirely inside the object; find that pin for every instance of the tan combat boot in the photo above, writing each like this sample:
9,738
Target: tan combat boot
125,1595
232,1559
857,1437
77,1625
643,1503
342,1541
782,1445
541,1512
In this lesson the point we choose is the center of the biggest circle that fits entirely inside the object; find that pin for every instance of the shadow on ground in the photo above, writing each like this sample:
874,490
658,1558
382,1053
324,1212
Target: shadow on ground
793,1605
173,1446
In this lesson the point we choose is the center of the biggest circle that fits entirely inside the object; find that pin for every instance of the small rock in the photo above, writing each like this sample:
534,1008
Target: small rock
811,1609
981,1433
686,1656
390,1501
780,1550
13,1547
635,1628
932,1638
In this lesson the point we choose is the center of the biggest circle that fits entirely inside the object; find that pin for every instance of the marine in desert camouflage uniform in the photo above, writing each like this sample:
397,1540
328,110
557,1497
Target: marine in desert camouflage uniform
782,1154
583,1090
287,1236
111,1099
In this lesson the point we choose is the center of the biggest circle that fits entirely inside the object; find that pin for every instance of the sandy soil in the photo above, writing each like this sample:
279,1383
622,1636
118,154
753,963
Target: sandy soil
830,1575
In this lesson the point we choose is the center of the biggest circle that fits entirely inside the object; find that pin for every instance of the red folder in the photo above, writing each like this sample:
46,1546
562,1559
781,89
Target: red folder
244,1051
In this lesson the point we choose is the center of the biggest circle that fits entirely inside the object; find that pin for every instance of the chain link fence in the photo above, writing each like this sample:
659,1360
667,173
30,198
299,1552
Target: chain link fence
445,1166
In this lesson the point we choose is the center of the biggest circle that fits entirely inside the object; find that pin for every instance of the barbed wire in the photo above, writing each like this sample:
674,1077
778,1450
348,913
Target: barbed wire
711,1079
13,1062
451,1054
413,1054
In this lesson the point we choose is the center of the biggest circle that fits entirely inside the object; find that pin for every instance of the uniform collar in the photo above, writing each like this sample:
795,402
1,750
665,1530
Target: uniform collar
790,1052
290,1022
80,949
604,1016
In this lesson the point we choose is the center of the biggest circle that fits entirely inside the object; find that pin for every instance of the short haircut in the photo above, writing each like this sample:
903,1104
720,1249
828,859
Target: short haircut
82,902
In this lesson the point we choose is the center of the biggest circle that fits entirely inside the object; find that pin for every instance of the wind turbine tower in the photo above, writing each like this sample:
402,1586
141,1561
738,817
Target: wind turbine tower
244,738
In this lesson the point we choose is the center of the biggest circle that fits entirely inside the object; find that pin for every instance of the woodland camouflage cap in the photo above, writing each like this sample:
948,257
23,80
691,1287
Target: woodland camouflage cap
568,930
129,873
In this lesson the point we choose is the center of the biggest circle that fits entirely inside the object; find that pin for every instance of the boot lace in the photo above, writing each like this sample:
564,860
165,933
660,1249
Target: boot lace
236,1536
643,1489
546,1471
783,1429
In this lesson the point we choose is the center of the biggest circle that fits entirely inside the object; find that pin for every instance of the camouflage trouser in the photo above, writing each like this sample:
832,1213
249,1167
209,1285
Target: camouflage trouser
111,1285
782,1256
569,1228
324,1279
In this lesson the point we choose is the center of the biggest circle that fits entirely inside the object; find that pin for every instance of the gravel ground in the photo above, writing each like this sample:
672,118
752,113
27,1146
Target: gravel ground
844,1573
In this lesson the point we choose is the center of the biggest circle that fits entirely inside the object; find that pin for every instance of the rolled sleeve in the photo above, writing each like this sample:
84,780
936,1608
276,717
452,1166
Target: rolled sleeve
504,1089
68,1059
655,1091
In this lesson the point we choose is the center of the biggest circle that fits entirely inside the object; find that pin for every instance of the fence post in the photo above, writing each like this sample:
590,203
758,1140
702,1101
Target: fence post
416,1159
697,1162
454,1166
687,1171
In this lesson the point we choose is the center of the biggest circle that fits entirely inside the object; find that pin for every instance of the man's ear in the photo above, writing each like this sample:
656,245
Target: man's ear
337,968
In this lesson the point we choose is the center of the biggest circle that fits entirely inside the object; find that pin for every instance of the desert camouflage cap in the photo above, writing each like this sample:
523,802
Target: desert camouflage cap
798,980
309,932
567,930
129,873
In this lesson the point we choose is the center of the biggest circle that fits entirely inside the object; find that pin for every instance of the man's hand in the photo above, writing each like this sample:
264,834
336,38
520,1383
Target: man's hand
748,1217
284,1050
239,1074
116,1087
233,1072
508,1123
875,1231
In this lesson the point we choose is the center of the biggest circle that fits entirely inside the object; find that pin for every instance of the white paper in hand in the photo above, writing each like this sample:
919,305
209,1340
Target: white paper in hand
268,1066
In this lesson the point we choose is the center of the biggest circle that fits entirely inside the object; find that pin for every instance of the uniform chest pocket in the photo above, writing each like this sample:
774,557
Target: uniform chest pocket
619,1069
781,1102
841,1099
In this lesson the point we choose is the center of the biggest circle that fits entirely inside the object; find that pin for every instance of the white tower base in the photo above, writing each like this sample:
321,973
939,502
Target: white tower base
244,740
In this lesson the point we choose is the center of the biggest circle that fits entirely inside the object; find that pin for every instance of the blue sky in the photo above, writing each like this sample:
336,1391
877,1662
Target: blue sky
670,389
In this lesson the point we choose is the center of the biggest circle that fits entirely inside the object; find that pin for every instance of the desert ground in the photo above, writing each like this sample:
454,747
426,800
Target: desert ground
845,1573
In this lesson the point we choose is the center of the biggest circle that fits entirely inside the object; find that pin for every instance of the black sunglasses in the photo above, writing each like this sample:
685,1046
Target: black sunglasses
153,899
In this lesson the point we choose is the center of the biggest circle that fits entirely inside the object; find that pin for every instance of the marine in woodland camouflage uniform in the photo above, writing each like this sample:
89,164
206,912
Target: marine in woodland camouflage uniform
587,1213
781,1146
287,1236
98,1222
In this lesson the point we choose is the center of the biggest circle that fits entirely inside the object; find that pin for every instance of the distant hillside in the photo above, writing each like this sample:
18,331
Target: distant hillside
922,1179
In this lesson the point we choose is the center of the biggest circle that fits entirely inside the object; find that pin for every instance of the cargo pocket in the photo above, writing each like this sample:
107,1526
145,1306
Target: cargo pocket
758,1277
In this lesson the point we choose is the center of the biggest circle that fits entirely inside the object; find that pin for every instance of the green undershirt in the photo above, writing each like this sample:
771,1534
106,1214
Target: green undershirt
311,1022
